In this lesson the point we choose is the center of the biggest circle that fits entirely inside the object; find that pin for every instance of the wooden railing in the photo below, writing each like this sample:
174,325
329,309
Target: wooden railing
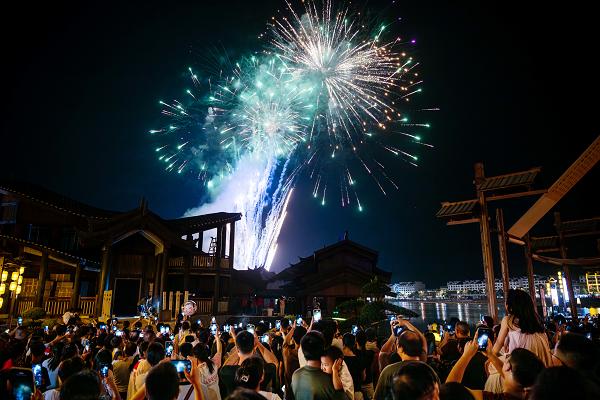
200,261
57,305
87,305
24,304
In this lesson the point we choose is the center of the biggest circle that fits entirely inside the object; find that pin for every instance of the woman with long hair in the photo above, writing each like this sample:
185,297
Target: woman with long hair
522,328
209,367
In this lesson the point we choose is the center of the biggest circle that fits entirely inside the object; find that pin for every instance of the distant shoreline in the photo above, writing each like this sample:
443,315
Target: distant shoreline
440,301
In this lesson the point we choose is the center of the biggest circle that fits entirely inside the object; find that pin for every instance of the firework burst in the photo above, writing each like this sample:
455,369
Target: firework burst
329,96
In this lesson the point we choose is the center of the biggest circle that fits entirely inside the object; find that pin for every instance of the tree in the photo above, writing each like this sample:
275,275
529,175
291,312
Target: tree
371,312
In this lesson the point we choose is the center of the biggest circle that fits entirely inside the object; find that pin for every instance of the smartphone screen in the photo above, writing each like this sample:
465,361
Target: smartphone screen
316,315
37,374
589,335
398,330
181,366
483,336
20,321
213,329
250,328
354,329
265,338
278,324
162,330
22,383
118,333
299,321
46,329
226,328
168,348
104,370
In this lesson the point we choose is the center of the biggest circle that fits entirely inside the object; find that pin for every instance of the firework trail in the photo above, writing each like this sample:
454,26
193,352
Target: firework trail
324,98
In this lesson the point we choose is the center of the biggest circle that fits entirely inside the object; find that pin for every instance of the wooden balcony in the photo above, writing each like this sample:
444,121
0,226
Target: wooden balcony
57,306
199,262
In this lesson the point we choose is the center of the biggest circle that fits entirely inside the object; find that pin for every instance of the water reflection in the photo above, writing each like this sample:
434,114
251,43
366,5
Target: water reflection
440,311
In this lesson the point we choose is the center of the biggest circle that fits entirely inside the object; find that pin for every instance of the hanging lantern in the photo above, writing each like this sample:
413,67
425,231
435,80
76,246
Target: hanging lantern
2,288
18,289
4,276
1,302
14,276
13,286
20,280
22,270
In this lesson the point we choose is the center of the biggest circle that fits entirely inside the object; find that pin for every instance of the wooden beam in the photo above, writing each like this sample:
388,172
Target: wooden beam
463,221
515,195
561,187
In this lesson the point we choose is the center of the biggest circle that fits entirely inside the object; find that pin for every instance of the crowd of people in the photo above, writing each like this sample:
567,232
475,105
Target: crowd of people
520,358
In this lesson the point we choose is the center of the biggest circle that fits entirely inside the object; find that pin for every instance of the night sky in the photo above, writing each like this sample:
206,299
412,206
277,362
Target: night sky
515,86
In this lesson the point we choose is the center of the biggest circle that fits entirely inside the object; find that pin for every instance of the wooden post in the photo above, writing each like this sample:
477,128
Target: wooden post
102,276
163,272
76,286
529,260
565,267
486,246
39,299
502,249
187,263
232,243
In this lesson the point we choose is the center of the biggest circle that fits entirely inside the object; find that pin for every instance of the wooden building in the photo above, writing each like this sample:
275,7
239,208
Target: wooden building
74,253
330,276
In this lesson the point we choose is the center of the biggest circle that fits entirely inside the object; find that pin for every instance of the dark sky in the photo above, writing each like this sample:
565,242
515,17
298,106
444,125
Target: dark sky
516,87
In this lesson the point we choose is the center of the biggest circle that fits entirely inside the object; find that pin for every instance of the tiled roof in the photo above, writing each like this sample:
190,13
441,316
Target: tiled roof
524,178
457,208
203,221
49,198
49,249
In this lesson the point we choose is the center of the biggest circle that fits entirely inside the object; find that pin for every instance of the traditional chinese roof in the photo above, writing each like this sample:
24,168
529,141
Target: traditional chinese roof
203,222
524,178
54,200
458,208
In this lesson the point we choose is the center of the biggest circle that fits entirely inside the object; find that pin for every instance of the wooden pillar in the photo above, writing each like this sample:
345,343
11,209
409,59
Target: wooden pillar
163,273
486,245
231,264
232,243
157,271
187,263
565,267
76,286
102,276
217,265
529,260
39,299
502,249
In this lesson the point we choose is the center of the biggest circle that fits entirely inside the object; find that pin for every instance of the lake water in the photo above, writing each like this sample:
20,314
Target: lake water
439,311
